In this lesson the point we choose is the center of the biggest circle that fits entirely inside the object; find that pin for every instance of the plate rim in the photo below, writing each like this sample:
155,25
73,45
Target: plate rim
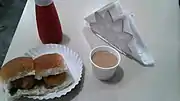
72,85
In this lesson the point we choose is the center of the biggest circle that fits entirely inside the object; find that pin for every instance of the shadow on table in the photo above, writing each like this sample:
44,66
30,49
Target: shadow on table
65,39
117,77
68,97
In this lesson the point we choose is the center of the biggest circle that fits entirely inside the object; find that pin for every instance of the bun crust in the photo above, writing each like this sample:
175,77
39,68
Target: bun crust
47,62
20,66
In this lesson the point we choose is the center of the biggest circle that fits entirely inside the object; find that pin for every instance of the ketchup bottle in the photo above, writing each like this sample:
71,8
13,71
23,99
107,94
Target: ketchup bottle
48,24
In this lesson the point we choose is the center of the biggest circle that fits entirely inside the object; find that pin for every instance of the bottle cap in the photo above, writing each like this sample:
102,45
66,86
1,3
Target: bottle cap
43,2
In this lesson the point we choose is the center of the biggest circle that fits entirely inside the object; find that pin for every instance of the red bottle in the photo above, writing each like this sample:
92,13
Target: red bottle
48,24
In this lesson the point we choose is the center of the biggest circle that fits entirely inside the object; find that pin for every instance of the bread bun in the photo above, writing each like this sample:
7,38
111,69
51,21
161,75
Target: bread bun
49,64
17,68
55,80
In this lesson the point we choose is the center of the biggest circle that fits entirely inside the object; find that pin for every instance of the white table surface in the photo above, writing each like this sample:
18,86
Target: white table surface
157,20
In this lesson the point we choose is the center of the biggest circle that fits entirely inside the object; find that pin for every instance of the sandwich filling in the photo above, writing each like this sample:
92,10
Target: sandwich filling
25,83
44,86
29,83
51,71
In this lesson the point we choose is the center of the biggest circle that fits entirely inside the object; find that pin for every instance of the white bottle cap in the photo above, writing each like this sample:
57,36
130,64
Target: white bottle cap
43,2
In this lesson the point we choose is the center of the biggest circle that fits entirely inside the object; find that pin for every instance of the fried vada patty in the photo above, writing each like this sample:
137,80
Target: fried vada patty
27,82
54,80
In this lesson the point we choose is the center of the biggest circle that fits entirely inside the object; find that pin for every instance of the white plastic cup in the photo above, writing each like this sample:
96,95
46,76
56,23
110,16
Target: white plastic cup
104,73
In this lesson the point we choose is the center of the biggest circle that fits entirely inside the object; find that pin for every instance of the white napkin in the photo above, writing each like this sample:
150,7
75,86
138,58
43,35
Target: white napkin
116,27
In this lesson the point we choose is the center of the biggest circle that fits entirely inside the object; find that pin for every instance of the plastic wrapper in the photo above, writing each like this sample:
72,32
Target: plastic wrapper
116,27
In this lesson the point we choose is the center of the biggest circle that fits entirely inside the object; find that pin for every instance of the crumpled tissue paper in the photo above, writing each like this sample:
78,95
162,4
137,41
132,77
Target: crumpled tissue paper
117,28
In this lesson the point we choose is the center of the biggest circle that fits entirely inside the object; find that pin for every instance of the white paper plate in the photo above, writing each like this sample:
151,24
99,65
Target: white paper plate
72,59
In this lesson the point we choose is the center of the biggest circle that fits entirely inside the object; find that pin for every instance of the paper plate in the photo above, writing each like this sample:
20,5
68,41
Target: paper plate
72,59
